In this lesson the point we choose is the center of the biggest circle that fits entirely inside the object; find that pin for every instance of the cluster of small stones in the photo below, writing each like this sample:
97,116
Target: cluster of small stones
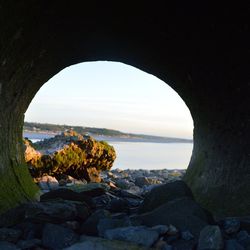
129,209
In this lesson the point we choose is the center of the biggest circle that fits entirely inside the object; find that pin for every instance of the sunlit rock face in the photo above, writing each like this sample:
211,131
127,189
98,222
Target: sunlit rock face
70,154
200,51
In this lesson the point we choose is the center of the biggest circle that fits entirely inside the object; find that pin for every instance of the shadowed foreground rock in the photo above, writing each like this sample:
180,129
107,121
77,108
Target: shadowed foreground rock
70,154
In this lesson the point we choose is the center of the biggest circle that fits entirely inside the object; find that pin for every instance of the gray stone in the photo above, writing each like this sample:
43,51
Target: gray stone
5,245
10,235
163,194
244,238
58,237
96,243
53,211
48,183
184,213
124,183
139,235
118,205
161,229
186,235
27,244
89,227
233,245
231,225
110,223
184,245
210,238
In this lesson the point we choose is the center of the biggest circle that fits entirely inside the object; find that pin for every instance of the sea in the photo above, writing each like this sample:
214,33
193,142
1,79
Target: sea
142,155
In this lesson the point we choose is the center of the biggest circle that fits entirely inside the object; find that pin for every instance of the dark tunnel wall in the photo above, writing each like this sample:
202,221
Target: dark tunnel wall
203,55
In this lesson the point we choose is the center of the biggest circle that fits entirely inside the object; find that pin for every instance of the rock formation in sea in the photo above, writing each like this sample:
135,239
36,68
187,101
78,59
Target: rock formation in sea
69,153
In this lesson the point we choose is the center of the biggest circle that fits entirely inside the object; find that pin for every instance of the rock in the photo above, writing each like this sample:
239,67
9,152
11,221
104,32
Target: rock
29,244
210,238
74,225
185,245
167,247
47,182
161,229
172,230
31,155
91,189
58,237
140,235
30,230
53,211
184,213
89,227
233,245
5,245
231,225
186,235
96,243
135,190
165,193
13,216
245,223
10,235
102,202
124,183
118,205
111,223
92,174
244,238
77,156
142,181
66,194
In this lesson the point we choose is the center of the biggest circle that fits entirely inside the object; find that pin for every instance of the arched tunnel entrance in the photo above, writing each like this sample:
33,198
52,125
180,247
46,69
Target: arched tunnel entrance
204,62
116,96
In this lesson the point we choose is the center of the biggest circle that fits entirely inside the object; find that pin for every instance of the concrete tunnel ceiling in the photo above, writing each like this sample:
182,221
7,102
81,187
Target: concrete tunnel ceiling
203,55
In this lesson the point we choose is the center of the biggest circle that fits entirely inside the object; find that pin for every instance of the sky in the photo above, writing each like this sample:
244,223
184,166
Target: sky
111,95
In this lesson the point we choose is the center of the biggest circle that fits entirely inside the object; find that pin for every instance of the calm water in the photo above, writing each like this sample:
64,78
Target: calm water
144,155
137,155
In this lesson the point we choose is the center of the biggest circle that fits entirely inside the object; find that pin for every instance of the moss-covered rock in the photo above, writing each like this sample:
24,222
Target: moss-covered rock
71,154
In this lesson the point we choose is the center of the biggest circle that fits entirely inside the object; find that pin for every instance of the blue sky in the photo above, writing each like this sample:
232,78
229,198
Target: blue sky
111,95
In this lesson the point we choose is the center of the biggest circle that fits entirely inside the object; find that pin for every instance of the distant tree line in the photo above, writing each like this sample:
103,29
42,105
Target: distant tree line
39,127
36,127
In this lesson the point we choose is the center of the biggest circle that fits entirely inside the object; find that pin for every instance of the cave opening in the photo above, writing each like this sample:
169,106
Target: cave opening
153,126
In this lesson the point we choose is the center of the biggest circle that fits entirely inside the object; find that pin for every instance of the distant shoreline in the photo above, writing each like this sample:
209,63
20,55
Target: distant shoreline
48,134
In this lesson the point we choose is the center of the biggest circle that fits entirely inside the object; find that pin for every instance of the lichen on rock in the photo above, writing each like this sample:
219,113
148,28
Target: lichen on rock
69,153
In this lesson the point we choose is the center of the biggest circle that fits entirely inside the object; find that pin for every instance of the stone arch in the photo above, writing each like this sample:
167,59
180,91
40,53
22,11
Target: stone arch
206,63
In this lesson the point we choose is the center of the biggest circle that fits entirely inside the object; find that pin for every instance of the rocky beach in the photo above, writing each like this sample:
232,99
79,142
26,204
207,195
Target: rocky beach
83,203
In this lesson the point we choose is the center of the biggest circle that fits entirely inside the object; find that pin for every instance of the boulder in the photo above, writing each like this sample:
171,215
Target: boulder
29,244
210,238
111,223
5,245
10,235
47,182
89,227
66,194
243,238
163,194
141,181
140,235
96,243
184,213
231,225
77,156
53,211
58,237
233,245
